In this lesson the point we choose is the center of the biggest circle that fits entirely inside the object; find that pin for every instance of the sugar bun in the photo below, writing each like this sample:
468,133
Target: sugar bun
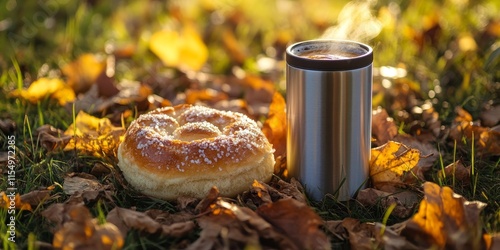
187,149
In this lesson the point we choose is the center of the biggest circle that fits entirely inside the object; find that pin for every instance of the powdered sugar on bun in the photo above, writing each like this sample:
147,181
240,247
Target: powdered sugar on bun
185,150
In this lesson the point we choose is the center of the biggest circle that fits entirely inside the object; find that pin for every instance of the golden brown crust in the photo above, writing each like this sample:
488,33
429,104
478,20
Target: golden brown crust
195,145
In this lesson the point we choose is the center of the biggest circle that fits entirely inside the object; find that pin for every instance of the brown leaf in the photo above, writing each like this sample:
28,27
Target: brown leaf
233,227
126,219
298,221
258,93
457,171
80,231
36,197
388,237
486,140
275,125
7,126
360,234
445,220
383,127
392,165
405,200
261,191
335,227
87,187
205,203
491,116
51,138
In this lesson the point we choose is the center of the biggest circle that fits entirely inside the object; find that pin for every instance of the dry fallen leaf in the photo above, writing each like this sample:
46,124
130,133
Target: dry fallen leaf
391,165
405,201
383,127
93,135
486,140
35,197
7,126
13,201
86,188
83,72
428,152
43,87
184,50
232,227
207,95
456,171
445,220
360,234
491,116
80,231
51,138
126,219
298,221
275,125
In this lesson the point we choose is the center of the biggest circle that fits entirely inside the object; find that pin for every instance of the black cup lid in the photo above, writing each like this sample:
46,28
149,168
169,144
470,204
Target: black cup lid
353,55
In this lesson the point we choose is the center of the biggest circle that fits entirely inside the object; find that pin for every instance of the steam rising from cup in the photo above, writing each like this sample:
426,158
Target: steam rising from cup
355,22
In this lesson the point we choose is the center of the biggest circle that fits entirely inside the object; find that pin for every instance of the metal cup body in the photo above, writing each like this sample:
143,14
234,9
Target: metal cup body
329,122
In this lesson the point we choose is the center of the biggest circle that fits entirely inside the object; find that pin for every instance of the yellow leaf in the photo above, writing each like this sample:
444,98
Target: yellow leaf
181,50
83,72
389,164
93,135
446,220
13,202
43,87
275,126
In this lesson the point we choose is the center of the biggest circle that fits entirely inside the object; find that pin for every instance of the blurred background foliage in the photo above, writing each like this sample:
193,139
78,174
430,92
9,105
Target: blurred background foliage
446,48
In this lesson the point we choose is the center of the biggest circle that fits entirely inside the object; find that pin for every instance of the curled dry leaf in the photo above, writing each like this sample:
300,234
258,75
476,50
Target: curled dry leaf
233,227
298,221
383,127
445,220
126,219
85,188
51,138
80,231
262,193
405,201
389,238
36,197
275,125
392,165
93,135
456,171
205,203
360,234
486,140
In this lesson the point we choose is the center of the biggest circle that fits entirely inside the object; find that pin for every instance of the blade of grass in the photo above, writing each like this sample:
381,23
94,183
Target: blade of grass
386,217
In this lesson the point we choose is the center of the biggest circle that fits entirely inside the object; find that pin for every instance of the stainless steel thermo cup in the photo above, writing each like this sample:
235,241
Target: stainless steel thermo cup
329,98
